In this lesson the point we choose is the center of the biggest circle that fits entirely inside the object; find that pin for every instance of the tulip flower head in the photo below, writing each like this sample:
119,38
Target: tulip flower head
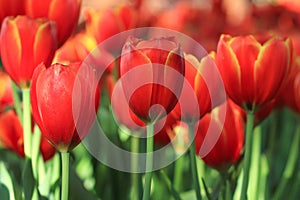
152,74
64,13
228,148
203,83
54,108
11,136
252,72
25,43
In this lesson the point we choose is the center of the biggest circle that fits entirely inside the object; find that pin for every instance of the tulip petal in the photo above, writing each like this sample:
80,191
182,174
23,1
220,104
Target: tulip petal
271,68
228,65
246,50
10,39
137,78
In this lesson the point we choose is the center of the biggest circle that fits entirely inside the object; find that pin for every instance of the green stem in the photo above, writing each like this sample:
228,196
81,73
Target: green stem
193,155
178,172
27,122
149,161
167,181
65,176
256,162
135,192
17,102
290,166
247,154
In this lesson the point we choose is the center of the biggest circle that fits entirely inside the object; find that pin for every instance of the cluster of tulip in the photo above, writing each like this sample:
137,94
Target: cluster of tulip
208,107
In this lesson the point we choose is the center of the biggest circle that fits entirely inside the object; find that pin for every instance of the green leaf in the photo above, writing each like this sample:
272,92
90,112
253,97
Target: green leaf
4,192
28,180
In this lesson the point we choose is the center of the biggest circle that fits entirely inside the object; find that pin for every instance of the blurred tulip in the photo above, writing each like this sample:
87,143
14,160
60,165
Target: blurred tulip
115,21
75,49
25,43
6,96
227,150
152,74
11,8
64,13
64,113
83,47
11,136
204,83
290,4
286,97
252,72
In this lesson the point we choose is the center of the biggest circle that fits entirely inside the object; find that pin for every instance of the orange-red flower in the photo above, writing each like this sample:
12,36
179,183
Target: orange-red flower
152,74
6,96
287,93
64,13
11,136
64,113
25,43
103,24
227,149
202,90
252,72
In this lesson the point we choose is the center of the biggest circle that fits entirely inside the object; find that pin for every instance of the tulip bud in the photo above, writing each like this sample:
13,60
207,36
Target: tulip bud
203,89
25,43
64,113
229,145
152,74
64,13
252,72
11,136
114,20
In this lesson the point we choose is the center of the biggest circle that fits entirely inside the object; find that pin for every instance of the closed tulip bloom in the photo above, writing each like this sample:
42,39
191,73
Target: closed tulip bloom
152,74
227,150
252,72
286,96
202,90
63,120
114,20
25,43
64,13
6,96
11,136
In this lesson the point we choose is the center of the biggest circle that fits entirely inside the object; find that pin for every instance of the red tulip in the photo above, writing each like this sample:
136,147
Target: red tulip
114,20
64,113
152,73
286,95
127,118
11,8
6,96
252,72
228,148
25,43
11,136
83,47
64,13
202,90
